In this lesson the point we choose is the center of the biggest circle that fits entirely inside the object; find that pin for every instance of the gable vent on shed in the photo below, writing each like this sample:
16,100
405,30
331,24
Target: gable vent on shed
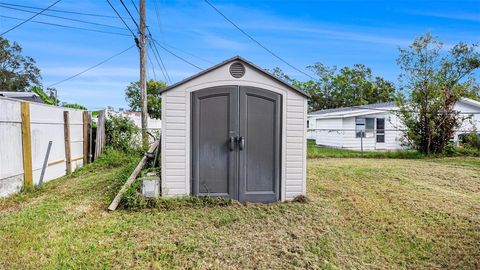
237,70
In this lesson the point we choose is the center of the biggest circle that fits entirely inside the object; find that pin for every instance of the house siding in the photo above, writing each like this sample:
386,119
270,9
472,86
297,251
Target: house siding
394,128
329,132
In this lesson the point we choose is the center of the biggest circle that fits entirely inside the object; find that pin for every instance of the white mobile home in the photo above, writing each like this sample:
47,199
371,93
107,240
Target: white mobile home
234,131
374,126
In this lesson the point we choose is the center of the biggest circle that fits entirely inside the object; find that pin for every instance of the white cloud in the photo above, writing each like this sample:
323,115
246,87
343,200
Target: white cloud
453,15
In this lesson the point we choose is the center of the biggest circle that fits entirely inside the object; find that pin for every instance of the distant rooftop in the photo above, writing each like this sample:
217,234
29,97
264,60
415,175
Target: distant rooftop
27,96
355,108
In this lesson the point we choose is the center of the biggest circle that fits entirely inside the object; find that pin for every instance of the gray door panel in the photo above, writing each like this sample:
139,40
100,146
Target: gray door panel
259,160
214,121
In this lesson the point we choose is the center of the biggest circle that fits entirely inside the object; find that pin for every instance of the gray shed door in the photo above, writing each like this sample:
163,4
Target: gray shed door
236,143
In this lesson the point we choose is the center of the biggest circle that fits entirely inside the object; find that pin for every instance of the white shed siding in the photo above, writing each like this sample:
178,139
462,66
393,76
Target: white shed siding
295,144
176,130
174,145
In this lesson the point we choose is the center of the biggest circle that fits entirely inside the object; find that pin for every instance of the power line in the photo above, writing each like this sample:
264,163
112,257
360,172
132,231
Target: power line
157,15
162,69
158,56
121,18
68,26
92,67
130,14
64,18
256,41
185,52
35,15
159,60
177,56
61,11
135,6
153,67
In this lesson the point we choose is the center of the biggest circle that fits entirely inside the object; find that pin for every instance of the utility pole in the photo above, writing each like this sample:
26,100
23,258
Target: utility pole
143,71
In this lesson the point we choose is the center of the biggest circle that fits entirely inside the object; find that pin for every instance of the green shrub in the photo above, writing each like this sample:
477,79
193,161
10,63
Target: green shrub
472,141
450,149
121,133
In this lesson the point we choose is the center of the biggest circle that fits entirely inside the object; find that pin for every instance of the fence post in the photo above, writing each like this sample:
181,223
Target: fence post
68,156
26,145
90,138
85,138
361,141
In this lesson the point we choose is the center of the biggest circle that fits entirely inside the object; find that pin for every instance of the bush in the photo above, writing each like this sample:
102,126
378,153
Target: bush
121,133
472,141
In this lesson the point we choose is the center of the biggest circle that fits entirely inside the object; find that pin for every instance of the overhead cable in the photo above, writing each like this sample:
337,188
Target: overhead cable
159,60
130,14
121,18
256,41
63,18
177,56
92,67
30,18
60,11
68,26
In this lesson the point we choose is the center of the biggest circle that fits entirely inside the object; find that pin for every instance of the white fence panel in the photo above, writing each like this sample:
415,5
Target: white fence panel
11,158
46,124
76,138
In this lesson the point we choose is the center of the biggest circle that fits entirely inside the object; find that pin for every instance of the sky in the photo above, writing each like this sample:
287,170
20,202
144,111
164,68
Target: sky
340,33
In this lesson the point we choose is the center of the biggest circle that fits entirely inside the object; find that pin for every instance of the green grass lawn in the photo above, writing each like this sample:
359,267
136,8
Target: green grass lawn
361,214
315,151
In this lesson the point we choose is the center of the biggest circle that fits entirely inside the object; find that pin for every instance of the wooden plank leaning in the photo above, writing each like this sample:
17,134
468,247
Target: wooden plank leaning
132,178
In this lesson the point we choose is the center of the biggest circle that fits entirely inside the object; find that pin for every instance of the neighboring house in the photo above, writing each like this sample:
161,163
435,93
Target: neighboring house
374,126
136,117
27,96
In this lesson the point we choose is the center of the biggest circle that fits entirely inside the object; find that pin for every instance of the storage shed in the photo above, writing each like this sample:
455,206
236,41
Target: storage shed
235,131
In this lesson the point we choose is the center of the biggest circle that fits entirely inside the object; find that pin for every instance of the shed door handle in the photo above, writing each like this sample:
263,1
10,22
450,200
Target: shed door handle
241,143
231,143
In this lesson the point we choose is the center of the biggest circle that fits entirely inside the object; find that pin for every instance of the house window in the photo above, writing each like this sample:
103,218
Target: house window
308,123
364,127
380,130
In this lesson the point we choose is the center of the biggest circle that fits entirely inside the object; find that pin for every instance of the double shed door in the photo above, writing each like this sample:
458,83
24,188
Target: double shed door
236,133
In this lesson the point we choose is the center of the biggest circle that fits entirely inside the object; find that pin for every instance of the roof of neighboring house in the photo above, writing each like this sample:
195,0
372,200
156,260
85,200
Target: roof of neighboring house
27,96
471,102
369,109
344,110
233,59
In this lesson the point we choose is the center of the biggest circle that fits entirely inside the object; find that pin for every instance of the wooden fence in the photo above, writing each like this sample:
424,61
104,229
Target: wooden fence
39,143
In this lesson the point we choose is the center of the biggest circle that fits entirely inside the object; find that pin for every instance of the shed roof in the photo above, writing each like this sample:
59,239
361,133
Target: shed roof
233,59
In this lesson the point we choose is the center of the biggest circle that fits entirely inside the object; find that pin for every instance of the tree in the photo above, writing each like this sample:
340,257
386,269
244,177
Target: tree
154,101
17,72
434,79
335,88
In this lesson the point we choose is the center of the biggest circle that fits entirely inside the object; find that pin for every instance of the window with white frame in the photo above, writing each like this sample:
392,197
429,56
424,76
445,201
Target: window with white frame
380,130
364,127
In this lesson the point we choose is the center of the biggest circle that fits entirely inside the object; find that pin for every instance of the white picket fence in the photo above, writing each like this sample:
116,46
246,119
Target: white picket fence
24,143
